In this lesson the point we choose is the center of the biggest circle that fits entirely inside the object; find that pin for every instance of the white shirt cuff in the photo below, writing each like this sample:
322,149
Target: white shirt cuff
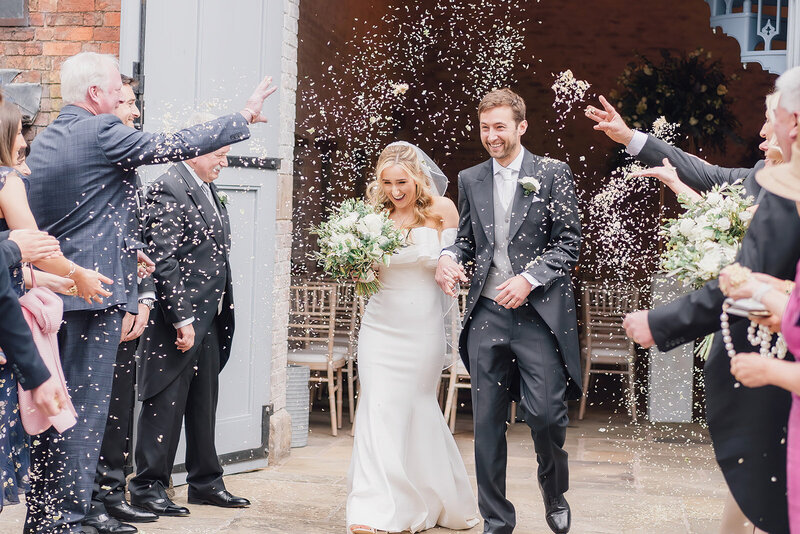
531,280
448,253
185,322
637,143
147,295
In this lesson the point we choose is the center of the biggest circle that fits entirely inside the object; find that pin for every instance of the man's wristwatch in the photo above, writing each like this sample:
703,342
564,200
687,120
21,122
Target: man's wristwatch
149,302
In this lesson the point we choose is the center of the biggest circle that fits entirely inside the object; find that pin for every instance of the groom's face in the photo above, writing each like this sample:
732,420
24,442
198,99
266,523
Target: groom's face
500,133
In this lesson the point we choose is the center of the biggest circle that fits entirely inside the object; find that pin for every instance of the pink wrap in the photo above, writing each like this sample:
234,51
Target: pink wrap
43,311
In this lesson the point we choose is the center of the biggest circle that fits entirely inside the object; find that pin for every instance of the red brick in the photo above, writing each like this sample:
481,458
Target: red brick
106,34
30,76
107,5
59,48
111,19
95,18
16,62
67,33
110,48
13,34
90,47
47,5
45,34
54,90
35,19
76,5
64,19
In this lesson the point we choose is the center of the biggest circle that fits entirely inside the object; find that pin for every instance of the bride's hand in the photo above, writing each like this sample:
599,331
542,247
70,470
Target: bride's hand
666,174
448,274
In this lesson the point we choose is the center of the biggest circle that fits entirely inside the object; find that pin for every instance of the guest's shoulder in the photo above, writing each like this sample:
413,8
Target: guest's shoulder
169,182
551,165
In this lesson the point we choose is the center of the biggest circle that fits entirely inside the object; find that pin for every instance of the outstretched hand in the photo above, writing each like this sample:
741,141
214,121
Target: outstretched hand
610,122
255,103
666,174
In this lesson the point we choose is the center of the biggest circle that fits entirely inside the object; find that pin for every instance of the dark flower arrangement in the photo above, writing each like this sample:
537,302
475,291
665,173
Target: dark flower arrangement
690,89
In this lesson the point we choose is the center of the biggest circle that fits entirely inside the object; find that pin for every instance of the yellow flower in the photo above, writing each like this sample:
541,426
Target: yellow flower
722,90
693,121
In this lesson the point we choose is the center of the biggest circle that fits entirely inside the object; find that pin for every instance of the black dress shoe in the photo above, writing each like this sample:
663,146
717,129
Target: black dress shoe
123,511
557,514
105,524
163,507
221,498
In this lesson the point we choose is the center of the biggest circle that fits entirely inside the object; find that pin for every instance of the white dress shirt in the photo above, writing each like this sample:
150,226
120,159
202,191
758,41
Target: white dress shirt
637,143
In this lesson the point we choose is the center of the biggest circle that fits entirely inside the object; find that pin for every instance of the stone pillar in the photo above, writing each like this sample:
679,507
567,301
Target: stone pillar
793,35
280,431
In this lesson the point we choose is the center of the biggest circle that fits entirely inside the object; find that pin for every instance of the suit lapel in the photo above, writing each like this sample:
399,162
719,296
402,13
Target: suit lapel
483,196
201,202
522,202
226,221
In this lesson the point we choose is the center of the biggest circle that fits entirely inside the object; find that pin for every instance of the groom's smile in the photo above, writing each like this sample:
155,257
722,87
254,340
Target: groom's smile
500,133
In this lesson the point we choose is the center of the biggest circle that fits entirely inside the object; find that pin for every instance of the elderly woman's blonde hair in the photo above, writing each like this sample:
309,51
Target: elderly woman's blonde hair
404,156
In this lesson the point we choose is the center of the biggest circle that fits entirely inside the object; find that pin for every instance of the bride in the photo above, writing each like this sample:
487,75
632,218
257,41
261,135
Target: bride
406,473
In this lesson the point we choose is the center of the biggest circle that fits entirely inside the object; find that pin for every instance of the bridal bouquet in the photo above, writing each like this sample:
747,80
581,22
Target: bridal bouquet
707,236
355,237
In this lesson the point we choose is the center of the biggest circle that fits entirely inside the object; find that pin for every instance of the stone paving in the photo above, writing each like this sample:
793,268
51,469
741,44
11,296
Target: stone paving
624,479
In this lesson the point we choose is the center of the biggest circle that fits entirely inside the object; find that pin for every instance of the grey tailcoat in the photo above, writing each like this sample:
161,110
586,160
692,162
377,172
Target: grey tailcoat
544,241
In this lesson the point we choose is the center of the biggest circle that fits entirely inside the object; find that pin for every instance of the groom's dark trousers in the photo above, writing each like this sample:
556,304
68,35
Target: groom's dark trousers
521,347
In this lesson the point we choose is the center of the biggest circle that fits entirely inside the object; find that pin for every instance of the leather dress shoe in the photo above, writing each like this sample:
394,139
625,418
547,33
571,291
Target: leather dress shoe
221,498
122,511
163,507
557,514
105,524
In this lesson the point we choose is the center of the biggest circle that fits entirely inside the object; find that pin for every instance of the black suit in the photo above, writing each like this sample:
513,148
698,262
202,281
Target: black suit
696,173
748,426
189,243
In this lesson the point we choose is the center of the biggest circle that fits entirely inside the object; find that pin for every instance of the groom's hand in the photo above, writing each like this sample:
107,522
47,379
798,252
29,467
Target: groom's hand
448,274
638,329
513,292
610,122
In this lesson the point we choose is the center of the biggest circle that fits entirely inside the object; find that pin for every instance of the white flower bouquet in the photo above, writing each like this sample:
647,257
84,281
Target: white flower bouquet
707,236
353,240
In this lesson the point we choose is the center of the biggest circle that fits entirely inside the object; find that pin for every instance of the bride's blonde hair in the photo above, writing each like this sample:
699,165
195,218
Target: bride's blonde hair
406,157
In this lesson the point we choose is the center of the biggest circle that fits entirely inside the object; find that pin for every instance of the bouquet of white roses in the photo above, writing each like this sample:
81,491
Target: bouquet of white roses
707,236
355,237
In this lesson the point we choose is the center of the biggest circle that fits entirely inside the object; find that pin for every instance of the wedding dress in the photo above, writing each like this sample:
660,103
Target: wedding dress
406,472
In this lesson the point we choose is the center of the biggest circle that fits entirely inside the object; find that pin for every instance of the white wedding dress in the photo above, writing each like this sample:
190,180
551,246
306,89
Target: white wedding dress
406,472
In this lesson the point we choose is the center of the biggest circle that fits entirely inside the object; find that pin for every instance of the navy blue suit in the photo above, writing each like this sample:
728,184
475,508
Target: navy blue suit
82,191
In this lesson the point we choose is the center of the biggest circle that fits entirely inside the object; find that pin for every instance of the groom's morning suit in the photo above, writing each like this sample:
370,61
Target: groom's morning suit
530,353
189,241
81,191
747,425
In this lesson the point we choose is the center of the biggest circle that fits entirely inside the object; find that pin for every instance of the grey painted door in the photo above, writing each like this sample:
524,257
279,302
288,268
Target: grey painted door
209,55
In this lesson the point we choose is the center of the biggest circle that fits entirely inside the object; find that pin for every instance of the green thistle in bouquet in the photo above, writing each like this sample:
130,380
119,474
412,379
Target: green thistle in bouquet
355,239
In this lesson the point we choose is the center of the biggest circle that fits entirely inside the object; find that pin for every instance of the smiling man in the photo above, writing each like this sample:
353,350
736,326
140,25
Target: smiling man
520,227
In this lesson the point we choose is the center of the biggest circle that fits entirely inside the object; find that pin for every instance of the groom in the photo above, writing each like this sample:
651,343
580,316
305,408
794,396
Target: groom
519,226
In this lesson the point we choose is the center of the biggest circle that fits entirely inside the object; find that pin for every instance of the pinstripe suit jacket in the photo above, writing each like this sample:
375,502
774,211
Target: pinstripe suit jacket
82,188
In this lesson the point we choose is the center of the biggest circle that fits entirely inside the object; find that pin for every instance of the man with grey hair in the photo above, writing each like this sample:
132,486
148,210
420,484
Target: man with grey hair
747,426
190,334
82,191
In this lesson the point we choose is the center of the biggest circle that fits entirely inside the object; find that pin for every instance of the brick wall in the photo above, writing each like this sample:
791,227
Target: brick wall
56,30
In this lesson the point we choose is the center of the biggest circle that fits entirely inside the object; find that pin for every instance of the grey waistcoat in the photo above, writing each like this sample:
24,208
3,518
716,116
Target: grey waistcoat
500,270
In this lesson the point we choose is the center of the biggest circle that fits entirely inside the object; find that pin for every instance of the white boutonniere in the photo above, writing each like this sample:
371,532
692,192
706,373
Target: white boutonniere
223,198
529,185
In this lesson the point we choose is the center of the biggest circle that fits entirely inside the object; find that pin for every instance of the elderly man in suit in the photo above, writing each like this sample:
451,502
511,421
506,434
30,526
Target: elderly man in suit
749,440
519,225
82,191
189,338
109,506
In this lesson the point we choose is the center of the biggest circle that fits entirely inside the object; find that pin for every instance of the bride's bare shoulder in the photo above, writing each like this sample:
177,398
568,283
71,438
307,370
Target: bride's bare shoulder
446,211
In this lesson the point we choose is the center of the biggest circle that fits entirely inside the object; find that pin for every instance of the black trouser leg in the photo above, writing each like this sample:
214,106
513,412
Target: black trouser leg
109,481
204,472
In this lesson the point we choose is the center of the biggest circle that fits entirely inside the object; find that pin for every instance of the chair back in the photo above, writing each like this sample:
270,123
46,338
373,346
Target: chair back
312,316
604,309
